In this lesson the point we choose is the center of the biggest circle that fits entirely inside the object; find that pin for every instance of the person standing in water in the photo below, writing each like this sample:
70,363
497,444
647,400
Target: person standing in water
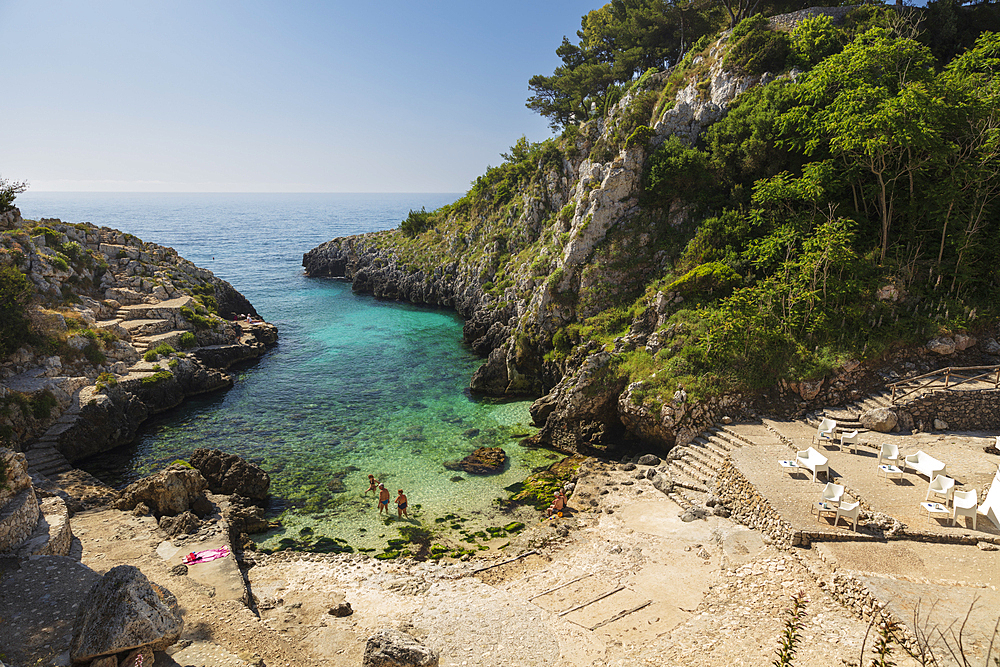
401,505
372,485
383,499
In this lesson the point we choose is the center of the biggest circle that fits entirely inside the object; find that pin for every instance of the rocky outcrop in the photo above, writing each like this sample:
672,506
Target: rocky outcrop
483,461
228,474
392,648
122,612
171,491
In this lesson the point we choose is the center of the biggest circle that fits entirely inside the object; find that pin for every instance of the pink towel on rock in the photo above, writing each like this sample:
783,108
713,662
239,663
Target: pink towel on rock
205,556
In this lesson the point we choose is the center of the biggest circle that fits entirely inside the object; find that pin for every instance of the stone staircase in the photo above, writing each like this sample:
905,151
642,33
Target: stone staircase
848,416
43,456
695,466
149,325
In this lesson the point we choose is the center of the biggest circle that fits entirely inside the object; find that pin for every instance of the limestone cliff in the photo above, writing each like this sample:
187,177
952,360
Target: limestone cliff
117,329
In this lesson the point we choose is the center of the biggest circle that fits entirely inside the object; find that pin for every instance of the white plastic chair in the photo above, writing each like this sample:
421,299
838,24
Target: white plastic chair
941,486
826,431
852,439
850,513
965,504
889,455
832,493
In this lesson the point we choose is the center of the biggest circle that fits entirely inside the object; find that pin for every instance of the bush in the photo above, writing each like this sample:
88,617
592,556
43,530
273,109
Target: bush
106,380
161,350
675,171
156,378
814,39
15,292
416,222
42,404
199,321
756,48
187,340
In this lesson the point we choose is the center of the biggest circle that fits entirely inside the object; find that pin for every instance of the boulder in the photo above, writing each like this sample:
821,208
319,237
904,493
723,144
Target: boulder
809,390
124,611
483,461
882,420
228,474
184,523
663,483
694,513
649,460
168,492
245,517
993,347
943,345
940,425
392,648
341,610
964,341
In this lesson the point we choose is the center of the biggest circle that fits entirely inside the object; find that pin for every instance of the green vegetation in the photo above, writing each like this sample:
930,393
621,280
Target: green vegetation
15,293
161,350
106,380
187,340
197,317
9,190
157,377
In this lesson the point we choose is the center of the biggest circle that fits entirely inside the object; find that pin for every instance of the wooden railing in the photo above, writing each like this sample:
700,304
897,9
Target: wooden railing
946,377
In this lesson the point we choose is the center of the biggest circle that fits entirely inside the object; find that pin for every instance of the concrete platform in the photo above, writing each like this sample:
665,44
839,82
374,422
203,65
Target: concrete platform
793,495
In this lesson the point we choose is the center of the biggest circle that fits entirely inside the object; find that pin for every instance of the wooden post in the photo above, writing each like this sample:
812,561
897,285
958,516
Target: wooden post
947,376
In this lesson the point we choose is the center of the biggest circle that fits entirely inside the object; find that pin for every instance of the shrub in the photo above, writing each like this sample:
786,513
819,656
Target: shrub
93,354
199,321
156,378
106,380
640,136
416,222
15,292
42,404
814,39
161,350
756,48
187,340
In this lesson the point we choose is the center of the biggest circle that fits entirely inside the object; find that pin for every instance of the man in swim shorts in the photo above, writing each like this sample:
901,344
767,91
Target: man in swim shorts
383,499
401,505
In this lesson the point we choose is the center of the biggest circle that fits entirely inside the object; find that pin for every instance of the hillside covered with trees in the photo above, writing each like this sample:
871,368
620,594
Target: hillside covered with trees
767,205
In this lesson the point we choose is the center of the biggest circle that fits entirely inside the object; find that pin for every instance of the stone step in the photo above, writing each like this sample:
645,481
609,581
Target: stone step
720,447
143,327
705,471
730,435
171,338
155,310
690,472
52,535
706,459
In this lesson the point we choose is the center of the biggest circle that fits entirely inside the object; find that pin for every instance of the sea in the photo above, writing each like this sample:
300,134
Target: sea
355,386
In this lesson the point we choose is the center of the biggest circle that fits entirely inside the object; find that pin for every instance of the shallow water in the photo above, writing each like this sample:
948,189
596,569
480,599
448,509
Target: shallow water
355,385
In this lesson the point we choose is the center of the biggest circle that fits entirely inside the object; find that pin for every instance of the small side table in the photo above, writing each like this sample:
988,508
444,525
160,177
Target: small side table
789,466
822,506
885,470
935,508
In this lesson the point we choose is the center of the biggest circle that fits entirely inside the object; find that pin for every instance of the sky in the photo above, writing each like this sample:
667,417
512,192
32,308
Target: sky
293,96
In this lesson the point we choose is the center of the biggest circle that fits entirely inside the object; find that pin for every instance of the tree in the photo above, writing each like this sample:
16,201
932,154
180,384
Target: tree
15,292
9,190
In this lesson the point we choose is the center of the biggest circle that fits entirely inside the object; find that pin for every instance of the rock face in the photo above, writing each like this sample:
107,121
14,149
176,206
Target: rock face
392,648
483,461
124,611
882,420
169,492
245,517
228,474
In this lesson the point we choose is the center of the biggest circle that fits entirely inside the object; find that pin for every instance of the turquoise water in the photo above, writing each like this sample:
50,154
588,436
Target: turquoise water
355,385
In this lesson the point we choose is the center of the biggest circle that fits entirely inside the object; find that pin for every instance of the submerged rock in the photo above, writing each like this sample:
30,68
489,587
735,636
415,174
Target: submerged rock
483,461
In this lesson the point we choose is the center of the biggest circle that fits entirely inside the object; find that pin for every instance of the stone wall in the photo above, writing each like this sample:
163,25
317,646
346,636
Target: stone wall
856,596
960,410
752,509
17,520
788,22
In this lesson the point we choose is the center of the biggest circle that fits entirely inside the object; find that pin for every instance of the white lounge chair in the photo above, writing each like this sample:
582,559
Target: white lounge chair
965,504
827,431
889,455
925,464
850,513
813,460
941,486
852,439
832,493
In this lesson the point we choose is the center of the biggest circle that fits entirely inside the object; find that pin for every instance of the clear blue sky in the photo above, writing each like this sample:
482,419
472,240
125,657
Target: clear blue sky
247,96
